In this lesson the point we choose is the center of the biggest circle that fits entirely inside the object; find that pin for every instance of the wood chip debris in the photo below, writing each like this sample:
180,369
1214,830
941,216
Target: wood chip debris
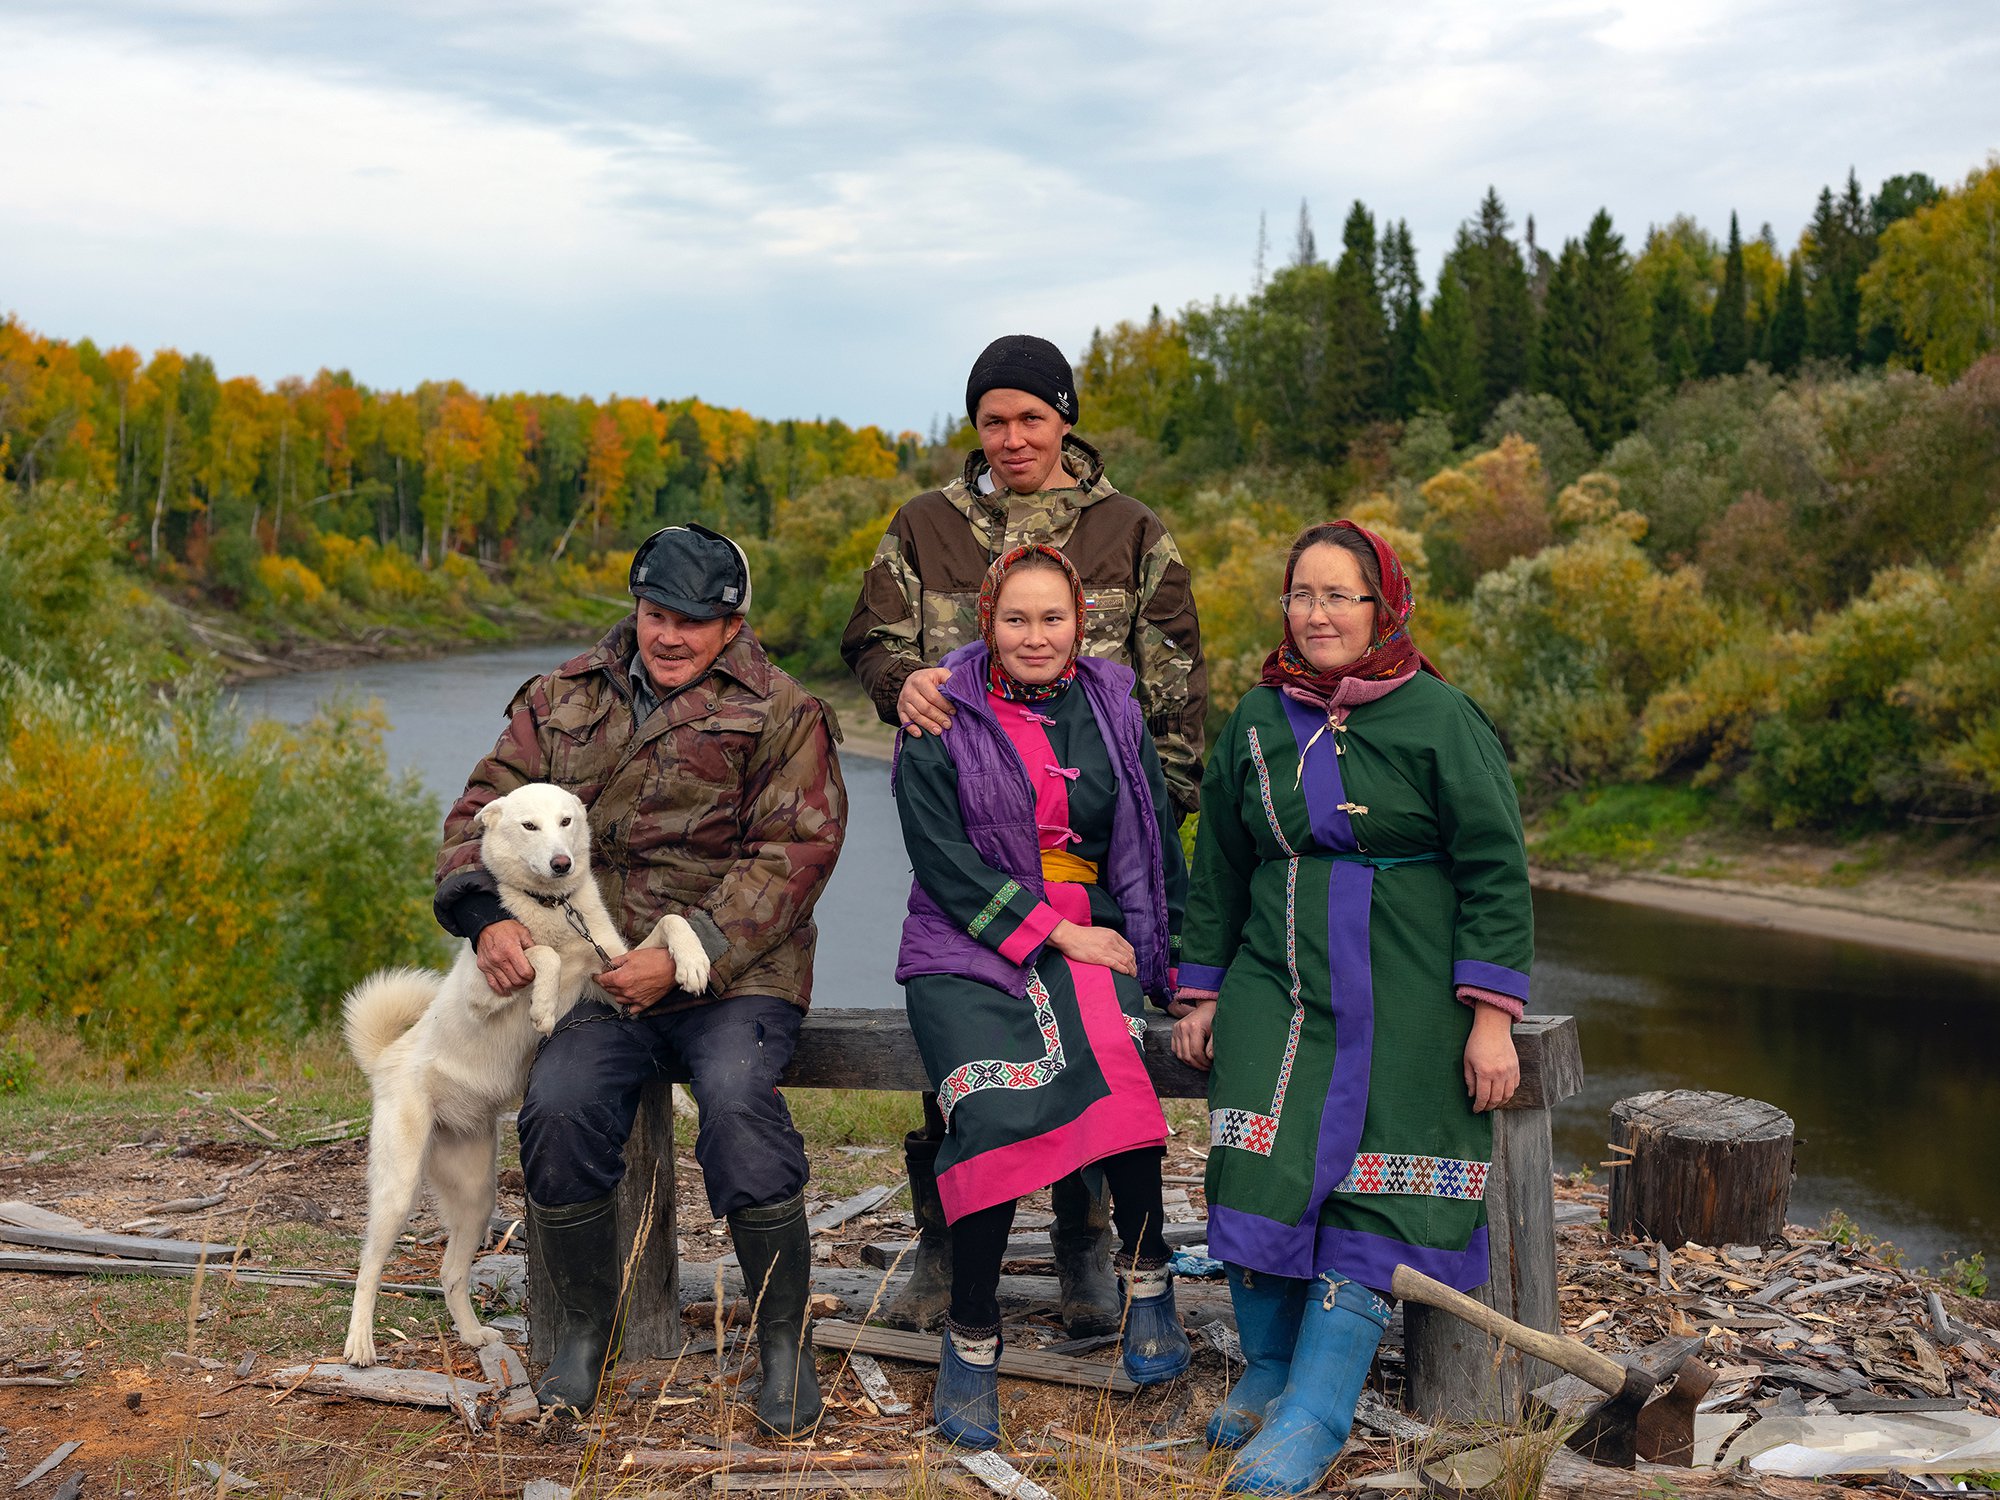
1804,1325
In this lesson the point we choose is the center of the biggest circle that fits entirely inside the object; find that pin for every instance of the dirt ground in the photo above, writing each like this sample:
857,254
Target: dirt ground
159,1376
157,1379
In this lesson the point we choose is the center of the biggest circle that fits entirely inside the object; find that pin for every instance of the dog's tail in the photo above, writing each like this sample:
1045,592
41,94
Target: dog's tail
384,1006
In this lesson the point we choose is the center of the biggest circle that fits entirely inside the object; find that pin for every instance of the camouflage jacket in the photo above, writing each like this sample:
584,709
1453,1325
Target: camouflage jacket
725,805
920,595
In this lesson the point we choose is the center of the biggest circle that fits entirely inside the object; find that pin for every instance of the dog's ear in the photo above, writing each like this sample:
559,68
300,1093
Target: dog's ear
484,817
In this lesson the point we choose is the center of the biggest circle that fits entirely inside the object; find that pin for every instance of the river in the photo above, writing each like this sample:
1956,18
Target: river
1887,1061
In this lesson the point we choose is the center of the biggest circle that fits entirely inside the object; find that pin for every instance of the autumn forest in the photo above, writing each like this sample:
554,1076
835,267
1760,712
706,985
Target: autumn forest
1709,523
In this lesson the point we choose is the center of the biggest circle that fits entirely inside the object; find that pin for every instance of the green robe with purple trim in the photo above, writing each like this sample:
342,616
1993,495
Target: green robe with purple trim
1350,872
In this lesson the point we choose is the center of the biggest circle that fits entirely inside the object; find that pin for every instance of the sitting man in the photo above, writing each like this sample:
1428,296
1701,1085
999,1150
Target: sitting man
713,792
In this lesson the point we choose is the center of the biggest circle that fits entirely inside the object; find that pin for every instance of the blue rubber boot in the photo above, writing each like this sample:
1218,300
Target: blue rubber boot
1305,1429
1156,1346
967,1402
1268,1309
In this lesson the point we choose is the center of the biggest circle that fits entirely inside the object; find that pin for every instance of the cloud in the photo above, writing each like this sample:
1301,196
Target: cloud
791,206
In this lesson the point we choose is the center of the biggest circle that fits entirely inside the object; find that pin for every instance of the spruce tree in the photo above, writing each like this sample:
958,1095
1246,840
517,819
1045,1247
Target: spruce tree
1840,245
1675,325
1594,353
1787,329
1729,349
1503,310
1357,346
1403,302
1449,355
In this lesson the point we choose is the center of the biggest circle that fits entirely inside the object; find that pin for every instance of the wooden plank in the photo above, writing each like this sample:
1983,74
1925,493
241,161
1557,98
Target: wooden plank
378,1383
922,1348
126,1246
59,1264
740,1461
727,1483
34,1216
850,1048
509,1379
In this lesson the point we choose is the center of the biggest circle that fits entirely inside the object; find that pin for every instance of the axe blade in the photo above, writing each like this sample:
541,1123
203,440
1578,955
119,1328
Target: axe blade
1607,1433
1665,1432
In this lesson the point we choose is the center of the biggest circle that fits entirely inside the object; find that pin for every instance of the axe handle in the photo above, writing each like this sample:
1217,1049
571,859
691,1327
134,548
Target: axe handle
1579,1359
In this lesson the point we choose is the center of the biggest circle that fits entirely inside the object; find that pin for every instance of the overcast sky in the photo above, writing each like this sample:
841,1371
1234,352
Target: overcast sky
812,209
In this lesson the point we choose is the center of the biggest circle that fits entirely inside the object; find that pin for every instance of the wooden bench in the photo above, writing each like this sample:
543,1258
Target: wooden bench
1451,1368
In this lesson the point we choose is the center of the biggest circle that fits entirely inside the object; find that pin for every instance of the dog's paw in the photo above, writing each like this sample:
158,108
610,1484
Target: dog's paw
690,958
360,1352
481,1336
544,1017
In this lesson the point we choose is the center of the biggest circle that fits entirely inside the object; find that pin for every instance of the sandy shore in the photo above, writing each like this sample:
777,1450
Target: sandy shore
1862,914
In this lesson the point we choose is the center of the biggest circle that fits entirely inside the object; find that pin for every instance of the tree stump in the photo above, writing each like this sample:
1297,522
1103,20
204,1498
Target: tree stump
1712,1168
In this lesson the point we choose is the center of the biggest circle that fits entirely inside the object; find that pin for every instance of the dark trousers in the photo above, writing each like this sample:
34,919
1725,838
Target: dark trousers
583,1095
979,1239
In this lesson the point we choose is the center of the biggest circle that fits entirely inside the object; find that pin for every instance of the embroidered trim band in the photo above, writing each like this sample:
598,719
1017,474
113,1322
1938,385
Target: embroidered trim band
993,909
1245,1129
998,1073
1423,1176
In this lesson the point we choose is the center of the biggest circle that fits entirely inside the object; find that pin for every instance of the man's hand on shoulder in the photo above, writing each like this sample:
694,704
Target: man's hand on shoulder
922,705
639,980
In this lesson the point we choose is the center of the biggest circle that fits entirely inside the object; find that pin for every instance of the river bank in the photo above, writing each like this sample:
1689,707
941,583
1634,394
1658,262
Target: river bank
1962,921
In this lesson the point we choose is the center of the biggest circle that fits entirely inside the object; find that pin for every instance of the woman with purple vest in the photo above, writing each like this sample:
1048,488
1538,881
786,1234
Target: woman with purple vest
1048,893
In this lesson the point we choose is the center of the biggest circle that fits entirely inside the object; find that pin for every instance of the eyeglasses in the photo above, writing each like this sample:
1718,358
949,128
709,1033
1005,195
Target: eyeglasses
1303,602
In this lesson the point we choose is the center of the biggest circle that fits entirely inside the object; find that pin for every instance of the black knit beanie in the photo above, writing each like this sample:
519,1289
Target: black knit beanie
1022,362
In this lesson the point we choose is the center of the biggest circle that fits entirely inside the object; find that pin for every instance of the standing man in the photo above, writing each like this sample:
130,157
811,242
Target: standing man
713,793
1032,480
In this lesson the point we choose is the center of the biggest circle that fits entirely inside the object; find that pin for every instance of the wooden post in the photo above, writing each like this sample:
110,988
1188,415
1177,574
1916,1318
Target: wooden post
1455,1372
652,1300
1712,1168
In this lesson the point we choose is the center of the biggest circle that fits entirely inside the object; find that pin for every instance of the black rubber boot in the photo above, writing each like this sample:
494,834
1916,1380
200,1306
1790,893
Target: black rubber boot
578,1244
926,1297
775,1249
1081,1240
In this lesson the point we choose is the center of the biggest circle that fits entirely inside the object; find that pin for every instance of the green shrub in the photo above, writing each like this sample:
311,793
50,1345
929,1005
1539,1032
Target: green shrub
177,879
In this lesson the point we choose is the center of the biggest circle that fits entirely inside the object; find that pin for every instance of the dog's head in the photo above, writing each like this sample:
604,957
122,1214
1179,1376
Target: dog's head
536,837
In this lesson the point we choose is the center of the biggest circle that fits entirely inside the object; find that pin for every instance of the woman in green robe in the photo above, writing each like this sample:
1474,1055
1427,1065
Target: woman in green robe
1356,947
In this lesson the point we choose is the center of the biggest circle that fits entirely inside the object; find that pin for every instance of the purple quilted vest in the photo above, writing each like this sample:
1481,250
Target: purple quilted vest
998,805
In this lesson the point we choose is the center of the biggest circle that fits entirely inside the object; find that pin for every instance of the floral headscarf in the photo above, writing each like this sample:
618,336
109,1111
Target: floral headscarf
1391,654
998,679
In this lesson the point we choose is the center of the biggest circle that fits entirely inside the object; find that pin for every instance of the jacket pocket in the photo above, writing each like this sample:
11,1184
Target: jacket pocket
951,619
1107,624
579,756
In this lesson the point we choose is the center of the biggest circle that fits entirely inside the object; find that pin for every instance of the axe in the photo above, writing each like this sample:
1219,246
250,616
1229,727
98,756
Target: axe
1621,1428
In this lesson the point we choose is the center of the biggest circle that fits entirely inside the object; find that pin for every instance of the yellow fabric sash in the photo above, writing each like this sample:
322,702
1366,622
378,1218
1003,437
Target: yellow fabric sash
1062,866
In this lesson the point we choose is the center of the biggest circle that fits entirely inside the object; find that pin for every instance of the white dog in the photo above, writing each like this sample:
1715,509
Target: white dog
445,1054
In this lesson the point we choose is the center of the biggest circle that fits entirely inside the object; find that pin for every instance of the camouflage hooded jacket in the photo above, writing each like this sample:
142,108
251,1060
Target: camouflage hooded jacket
920,595
725,805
